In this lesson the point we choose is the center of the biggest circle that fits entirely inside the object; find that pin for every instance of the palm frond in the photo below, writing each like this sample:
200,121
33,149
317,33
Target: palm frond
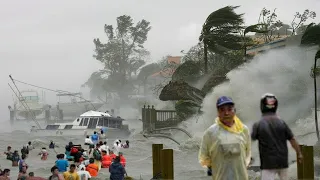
312,35
224,17
189,70
255,28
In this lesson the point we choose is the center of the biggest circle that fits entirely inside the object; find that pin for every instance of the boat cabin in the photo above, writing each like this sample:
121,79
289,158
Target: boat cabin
90,120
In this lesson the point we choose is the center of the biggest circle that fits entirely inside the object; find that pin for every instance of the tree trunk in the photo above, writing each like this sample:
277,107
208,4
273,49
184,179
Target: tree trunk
245,54
245,49
315,97
205,57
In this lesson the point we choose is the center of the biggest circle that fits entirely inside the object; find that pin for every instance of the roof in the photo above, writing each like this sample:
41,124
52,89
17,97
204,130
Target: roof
94,114
168,72
164,73
174,59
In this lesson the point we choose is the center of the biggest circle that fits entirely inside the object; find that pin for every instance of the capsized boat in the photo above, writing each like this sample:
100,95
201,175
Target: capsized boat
86,124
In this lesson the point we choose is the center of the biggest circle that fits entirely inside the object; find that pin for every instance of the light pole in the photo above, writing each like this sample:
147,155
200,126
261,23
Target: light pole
317,56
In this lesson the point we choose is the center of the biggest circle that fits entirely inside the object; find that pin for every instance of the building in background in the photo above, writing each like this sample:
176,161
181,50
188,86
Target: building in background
165,74
279,42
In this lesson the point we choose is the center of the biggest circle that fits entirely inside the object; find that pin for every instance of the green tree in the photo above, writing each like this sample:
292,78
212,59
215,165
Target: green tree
271,24
299,19
123,53
96,83
145,72
301,29
189,71
312,37
220,32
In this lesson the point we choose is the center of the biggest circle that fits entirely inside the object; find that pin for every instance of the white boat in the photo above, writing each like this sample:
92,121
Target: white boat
28,105
86,124
75,106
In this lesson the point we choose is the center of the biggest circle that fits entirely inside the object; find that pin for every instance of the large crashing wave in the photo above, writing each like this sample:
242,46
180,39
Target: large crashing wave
284,72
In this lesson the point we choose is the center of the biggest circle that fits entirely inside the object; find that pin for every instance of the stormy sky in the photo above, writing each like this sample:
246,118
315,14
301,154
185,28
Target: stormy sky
49,43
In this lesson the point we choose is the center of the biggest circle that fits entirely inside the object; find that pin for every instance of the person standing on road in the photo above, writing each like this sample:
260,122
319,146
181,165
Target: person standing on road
226,145
273,133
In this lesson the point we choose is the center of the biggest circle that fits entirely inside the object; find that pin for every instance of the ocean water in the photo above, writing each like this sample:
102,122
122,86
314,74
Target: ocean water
286,73
139,155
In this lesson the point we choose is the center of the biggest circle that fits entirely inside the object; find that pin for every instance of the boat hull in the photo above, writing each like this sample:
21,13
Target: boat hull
110,134
28,114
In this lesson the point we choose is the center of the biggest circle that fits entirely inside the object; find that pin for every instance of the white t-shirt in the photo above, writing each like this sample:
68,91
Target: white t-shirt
84,175
116,149
29,147
104,147
88,141
85,162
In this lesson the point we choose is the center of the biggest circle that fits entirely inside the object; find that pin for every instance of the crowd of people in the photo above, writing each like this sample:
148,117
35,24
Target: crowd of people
86,160
225,149
88,163
20,162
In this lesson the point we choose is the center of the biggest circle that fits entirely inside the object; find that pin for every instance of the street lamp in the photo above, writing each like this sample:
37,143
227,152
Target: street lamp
314,75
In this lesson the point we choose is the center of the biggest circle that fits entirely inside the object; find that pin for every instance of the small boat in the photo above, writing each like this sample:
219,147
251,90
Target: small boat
86,124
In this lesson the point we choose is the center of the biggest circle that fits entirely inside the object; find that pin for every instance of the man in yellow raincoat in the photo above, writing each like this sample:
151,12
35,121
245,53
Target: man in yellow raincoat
226,145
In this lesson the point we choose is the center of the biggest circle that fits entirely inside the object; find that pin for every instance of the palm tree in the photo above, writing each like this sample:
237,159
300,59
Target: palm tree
188,71
220,32
311,36
253,28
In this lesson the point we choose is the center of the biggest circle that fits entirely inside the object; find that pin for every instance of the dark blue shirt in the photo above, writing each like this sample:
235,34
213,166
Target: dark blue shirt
272,134
117,171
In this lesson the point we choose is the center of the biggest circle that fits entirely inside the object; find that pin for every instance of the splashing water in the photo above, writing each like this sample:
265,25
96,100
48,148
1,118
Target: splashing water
283,72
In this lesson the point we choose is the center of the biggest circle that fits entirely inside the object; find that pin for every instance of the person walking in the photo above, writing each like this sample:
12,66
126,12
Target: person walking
226,145
273,133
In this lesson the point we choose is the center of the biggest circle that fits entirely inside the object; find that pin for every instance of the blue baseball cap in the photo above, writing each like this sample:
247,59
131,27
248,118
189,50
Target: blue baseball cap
224,100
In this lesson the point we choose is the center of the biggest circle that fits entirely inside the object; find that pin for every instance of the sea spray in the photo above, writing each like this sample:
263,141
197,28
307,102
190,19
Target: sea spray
284,72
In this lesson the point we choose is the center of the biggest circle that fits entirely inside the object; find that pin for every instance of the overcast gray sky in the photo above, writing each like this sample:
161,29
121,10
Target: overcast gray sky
49,42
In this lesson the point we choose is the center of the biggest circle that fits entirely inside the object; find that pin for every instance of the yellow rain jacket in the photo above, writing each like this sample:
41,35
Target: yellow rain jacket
227,150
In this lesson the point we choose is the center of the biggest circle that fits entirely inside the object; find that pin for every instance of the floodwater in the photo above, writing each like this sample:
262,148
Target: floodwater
139,155
285,72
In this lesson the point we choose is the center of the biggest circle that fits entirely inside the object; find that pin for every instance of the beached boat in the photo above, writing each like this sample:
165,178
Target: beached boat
28,105
75,106
86,124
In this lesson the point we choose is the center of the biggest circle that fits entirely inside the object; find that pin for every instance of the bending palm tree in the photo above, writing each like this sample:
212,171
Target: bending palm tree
220,32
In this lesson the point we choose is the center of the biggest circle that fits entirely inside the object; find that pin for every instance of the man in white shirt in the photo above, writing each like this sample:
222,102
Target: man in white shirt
104,147
116,147
84,175
88,141
29,146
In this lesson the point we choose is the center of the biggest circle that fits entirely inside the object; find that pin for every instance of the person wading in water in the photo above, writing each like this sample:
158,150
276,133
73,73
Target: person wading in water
71,174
